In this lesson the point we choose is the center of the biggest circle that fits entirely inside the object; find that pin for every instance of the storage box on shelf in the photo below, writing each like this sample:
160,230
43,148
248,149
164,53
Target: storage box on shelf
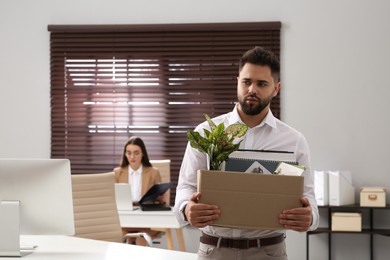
373,197
346,221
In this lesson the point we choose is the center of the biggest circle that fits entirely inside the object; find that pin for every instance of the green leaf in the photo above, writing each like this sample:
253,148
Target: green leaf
218,132
206,133
197,141
236,130
211,123
217,142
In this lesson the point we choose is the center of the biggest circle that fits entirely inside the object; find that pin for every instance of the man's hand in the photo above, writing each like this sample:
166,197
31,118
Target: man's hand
298,219
199,214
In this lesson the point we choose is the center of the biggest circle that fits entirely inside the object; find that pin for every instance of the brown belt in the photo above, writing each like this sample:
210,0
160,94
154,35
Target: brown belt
240,243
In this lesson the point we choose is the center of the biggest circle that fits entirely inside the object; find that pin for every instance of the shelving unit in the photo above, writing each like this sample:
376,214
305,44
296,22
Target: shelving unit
350,208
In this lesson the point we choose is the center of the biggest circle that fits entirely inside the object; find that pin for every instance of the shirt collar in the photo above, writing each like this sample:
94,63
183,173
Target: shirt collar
138,171
269,118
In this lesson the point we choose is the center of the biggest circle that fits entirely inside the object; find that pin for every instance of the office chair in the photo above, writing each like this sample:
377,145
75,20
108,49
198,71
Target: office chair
164,166
95,211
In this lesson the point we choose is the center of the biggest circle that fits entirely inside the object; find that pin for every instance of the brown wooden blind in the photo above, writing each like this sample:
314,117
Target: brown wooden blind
109,82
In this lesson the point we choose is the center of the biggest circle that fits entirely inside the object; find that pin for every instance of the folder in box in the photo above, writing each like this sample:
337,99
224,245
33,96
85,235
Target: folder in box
257,161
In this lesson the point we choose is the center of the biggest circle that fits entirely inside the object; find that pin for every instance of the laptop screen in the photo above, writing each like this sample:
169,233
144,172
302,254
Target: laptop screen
123,196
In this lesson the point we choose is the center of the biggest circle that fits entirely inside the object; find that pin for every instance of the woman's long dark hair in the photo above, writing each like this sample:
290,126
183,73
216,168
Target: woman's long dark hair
136,141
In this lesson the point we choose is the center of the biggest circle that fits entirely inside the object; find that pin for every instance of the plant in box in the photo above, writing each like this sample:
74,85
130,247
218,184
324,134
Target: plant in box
218,143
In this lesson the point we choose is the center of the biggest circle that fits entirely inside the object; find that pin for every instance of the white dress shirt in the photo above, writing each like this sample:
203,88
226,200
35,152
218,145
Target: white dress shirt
270,134
135,180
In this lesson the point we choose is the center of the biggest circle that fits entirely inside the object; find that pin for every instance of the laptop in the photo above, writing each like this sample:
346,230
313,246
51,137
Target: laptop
123,196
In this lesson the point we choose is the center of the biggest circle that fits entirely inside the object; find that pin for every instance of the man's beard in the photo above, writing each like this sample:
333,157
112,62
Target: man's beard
254,110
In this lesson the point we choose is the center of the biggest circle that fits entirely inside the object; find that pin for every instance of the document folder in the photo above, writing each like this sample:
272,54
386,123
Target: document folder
341,191
321,187
254,161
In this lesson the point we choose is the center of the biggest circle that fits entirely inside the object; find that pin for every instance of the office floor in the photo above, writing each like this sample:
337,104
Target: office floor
191,238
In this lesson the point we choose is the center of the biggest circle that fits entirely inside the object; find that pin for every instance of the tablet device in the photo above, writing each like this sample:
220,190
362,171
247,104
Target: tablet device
155,191
155,207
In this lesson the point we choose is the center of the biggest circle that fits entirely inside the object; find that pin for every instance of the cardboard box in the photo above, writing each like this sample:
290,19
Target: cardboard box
372,197
250,200
346,221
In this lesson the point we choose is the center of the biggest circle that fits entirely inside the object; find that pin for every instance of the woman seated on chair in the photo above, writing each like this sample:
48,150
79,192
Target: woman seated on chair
136,169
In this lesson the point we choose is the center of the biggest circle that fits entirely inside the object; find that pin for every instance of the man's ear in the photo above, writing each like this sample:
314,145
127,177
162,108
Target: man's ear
276,89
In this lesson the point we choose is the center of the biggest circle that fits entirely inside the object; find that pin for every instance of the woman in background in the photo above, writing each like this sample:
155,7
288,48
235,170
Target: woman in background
136,169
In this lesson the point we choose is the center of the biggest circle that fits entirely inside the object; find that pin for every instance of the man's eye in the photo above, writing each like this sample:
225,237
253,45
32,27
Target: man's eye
247,83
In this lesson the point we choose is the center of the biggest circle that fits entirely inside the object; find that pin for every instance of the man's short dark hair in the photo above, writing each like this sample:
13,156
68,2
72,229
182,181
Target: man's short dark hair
263,57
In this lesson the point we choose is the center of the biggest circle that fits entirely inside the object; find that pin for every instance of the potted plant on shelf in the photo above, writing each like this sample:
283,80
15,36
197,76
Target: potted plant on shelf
217,142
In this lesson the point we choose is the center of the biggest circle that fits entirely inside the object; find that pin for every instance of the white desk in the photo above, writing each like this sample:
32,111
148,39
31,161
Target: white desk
165,220
74,248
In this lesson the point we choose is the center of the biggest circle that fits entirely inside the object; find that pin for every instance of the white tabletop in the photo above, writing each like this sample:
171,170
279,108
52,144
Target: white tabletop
148,219
73,248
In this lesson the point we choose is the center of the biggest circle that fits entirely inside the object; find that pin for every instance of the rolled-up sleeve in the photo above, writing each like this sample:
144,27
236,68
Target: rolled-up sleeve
193,160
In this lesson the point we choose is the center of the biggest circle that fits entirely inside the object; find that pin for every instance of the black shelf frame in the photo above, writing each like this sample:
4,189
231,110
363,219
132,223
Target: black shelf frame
371,231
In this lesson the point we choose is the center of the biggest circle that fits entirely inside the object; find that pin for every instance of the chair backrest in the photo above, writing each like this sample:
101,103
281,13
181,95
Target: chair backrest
164,166
95,211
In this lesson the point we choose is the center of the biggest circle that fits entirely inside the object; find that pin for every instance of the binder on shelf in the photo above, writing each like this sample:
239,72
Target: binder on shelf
321,187
257,161
341,190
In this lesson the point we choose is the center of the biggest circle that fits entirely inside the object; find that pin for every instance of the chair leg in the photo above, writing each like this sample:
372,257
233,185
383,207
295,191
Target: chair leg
180,239
144,235
168,233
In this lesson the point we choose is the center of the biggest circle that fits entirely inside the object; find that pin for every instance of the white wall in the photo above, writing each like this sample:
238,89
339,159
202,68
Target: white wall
335,63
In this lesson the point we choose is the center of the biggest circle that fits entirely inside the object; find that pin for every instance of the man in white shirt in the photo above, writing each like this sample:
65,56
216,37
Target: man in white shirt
257,84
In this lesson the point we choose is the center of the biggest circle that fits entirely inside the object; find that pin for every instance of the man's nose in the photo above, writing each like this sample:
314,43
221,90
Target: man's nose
251,89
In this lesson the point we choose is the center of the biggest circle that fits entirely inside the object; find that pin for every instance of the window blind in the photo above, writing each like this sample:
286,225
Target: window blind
109,82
